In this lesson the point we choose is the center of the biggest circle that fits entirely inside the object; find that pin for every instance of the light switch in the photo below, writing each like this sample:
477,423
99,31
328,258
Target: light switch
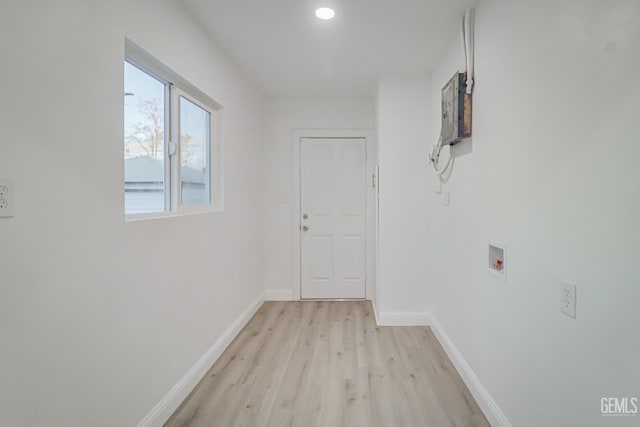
6,198
283,198
568,298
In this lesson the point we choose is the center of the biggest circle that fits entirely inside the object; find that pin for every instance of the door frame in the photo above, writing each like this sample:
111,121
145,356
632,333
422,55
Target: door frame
370,213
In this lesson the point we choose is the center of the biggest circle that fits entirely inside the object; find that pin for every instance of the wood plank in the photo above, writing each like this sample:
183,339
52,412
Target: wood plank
326,363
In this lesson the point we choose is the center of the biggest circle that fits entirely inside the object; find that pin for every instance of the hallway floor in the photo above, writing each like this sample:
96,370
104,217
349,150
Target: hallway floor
328,364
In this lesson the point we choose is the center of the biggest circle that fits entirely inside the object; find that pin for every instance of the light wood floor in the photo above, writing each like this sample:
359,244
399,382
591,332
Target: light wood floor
328,364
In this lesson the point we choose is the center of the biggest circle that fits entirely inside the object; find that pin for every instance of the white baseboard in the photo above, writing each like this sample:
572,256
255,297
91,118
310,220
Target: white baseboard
170,402
403,318
278,295
489,407
375,311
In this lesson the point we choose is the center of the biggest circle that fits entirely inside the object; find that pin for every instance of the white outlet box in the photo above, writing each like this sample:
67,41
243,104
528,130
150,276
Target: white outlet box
497,261
568,298
6,198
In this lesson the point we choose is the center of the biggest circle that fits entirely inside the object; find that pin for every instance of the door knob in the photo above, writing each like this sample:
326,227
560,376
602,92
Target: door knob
305,216
305,228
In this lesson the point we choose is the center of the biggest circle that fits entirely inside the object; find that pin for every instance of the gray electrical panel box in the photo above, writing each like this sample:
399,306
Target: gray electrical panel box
456,111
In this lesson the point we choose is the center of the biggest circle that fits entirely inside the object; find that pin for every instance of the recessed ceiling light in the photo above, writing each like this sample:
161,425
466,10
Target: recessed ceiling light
325,13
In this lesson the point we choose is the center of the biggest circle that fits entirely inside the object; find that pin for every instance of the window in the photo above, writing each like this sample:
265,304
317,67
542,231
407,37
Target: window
171,153
195,131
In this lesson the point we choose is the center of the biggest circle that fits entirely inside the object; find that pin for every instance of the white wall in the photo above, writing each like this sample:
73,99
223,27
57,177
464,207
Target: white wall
100,318
285,116
552,171
403,239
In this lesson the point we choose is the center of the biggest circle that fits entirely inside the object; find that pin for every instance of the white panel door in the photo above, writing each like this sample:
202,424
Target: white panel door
333,222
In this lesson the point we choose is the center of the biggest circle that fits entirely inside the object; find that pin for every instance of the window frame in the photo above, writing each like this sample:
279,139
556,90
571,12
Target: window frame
176,87
210,148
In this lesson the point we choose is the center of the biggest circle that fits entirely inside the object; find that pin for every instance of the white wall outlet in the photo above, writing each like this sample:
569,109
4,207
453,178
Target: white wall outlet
6,198
568,298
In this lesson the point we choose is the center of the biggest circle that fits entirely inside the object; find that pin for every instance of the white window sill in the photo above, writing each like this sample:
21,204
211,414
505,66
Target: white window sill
184,211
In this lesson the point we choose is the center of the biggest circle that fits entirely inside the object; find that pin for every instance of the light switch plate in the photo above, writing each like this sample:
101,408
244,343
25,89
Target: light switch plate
283,198
6,198
568,298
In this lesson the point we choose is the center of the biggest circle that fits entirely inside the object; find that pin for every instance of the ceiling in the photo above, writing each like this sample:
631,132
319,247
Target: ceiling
288,52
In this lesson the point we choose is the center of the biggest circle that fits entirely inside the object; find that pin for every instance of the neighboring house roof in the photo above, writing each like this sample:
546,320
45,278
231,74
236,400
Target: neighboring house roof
143,169
148,169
